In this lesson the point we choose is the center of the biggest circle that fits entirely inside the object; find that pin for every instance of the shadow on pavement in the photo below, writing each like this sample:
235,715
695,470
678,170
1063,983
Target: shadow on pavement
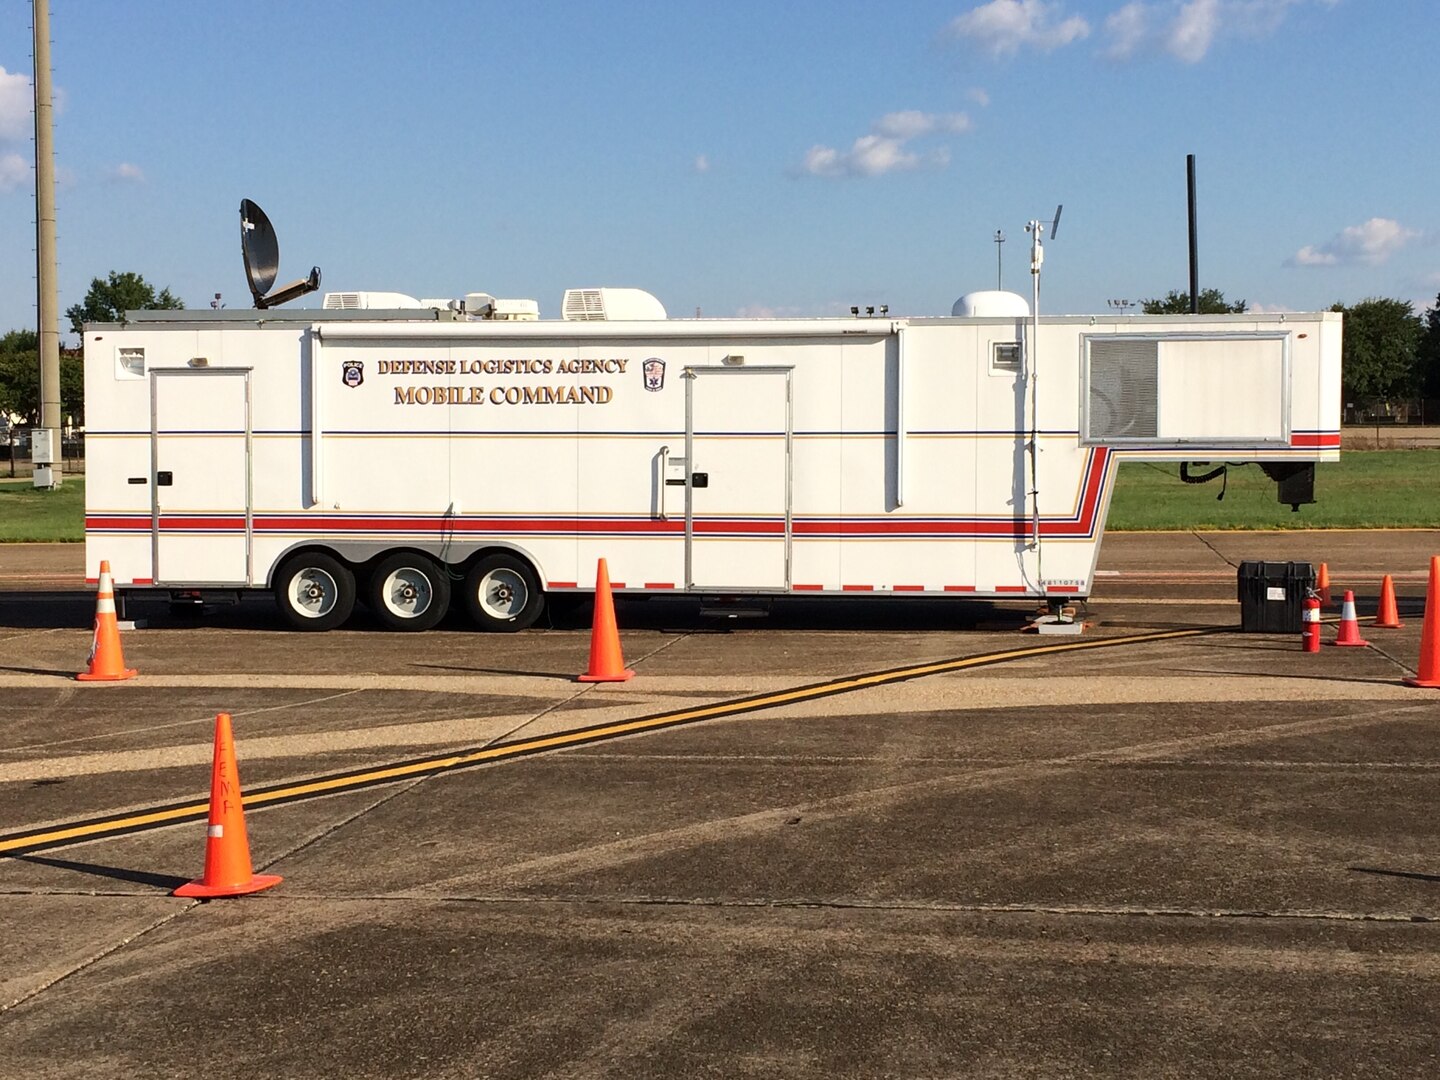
74,610
115,873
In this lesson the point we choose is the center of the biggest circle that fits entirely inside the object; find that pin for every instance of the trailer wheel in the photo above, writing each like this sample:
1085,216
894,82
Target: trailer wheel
315,591
409,592
503,594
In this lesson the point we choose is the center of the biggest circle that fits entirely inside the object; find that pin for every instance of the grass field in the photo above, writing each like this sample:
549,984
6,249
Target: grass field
30,515
1378,489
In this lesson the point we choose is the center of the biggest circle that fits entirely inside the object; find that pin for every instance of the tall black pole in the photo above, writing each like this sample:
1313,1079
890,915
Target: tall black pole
1194,239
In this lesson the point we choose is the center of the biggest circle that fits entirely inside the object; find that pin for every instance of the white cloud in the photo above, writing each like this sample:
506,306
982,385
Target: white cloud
17,103
1003,27
1193,31
1127,30
911,123
1188,29
979,96
14,172
887,148
126,173
1268,309
701,164
1369,244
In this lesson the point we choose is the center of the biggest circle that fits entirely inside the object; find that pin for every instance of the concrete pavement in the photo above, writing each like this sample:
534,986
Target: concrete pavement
1204,855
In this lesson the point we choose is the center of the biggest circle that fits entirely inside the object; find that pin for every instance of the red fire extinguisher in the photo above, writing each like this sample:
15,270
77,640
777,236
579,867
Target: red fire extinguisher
1310,625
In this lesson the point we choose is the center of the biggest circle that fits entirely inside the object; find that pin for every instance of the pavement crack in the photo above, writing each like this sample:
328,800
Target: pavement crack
334,826
96,737
582,689
93,958
1126,911
612,854
1218,553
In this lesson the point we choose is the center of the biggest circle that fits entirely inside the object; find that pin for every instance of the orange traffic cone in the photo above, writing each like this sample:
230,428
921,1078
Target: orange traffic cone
1430,632
1349,625
1322,585
227,848
107,660
607,664
1388,617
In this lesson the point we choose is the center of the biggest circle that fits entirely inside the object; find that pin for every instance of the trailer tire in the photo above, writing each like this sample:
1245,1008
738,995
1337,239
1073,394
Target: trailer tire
502,594
315,591
409,592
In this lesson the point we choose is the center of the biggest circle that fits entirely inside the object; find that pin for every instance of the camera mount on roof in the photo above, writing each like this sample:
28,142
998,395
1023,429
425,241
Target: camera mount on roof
262,260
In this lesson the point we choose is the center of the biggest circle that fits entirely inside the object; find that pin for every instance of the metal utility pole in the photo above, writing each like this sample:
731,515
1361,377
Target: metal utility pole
45,448
999,239
1194,236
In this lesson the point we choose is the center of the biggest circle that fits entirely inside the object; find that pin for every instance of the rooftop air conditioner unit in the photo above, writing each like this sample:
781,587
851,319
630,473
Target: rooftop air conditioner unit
362,301
624,305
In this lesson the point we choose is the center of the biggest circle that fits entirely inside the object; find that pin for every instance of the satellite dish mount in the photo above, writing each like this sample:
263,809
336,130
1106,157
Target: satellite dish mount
262,260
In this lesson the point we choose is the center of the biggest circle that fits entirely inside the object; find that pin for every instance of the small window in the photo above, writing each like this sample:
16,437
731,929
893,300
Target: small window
1005,358
130,363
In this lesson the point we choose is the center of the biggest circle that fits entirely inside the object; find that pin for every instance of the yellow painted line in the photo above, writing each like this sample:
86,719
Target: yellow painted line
29,840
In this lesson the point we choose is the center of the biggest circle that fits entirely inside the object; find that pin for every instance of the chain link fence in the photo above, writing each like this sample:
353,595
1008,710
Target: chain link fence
15,460
1391,424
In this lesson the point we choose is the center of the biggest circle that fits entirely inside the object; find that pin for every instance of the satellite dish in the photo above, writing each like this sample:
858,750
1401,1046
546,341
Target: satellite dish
262,259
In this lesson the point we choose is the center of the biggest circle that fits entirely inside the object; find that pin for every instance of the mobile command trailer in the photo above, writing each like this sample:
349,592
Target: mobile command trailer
415,456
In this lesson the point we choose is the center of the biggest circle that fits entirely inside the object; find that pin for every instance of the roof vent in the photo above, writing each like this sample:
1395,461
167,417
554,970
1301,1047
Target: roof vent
360,301
624,305
991,303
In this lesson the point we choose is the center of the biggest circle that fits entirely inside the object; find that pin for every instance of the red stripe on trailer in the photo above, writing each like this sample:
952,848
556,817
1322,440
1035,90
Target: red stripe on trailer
659,585
857,588
1320,439
908,588
959,588
806,588
1062,588
1009,588
563,585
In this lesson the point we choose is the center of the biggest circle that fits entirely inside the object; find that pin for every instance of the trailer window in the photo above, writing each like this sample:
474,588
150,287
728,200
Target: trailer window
1005,358
130,363
1188,387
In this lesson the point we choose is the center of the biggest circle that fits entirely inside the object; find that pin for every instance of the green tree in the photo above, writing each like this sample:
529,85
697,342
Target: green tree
1427,354
1177,302
20,379
108,300
1381,341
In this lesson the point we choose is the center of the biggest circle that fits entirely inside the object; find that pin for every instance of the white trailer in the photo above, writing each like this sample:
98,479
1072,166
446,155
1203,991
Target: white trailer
412,456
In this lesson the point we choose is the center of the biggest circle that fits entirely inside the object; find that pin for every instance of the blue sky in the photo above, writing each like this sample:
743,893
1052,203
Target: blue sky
744,158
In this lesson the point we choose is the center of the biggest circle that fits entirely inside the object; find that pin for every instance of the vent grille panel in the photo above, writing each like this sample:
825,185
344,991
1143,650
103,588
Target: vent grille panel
1123,390
584,305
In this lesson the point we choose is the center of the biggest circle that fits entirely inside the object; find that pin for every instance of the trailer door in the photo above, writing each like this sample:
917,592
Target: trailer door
737,487
200,444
